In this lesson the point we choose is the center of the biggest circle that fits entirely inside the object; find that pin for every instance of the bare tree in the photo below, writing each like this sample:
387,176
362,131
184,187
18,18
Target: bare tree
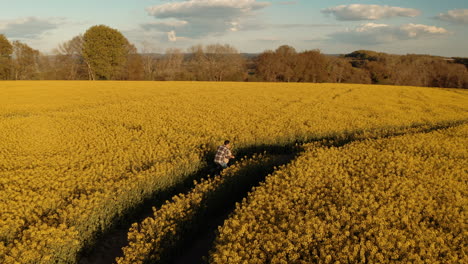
287,61
171,66
149,61
25,61
217,62
134,67
311,66
336,68
280,65
69,60
267,66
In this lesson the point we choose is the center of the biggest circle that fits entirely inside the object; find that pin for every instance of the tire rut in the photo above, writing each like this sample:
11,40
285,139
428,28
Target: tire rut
109,245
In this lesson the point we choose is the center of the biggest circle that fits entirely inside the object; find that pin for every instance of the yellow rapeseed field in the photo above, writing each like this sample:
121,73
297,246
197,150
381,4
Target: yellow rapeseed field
74,156
149,239
397,200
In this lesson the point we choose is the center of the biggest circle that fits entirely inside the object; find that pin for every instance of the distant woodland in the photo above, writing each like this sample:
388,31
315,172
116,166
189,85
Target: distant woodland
103,53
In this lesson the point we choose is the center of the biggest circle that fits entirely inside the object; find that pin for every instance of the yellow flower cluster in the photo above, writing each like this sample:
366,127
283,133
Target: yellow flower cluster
74,156
395,200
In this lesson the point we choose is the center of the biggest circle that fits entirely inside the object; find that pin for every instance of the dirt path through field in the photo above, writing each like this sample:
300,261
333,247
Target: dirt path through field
198,247
200,241
109,245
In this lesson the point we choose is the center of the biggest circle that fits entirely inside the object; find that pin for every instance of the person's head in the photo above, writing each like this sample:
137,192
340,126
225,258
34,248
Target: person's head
227,143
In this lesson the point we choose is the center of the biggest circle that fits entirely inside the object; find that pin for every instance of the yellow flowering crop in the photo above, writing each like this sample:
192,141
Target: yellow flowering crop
396,200
155,236
74,156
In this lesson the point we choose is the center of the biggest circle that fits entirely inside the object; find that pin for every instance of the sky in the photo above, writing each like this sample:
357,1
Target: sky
334,26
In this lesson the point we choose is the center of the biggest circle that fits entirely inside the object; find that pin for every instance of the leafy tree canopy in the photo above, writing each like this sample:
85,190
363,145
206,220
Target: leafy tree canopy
105,50
6,49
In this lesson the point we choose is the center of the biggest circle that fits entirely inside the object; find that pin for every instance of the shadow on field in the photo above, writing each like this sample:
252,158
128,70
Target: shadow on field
198,241
108,245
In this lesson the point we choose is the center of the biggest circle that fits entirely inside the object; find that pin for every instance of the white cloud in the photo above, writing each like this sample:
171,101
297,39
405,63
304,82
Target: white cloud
28,27
418,30
371,27
369,12
372,33
455,16
197,18
171,35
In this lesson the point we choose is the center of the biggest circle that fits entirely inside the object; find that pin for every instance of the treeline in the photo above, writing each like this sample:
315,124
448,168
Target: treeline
416,70
103,53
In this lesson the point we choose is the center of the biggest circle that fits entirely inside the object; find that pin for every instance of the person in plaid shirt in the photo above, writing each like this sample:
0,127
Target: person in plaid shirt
223,154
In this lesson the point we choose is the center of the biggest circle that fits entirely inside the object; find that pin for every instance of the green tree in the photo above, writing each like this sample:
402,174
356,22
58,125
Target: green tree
105,51
6,50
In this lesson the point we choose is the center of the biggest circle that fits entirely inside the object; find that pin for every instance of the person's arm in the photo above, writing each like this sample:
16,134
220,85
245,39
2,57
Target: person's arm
229,154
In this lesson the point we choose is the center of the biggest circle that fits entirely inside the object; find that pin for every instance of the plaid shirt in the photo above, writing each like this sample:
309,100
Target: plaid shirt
222,153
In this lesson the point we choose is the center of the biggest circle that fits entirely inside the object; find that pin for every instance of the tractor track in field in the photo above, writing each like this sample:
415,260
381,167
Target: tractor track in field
108,245
201,241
